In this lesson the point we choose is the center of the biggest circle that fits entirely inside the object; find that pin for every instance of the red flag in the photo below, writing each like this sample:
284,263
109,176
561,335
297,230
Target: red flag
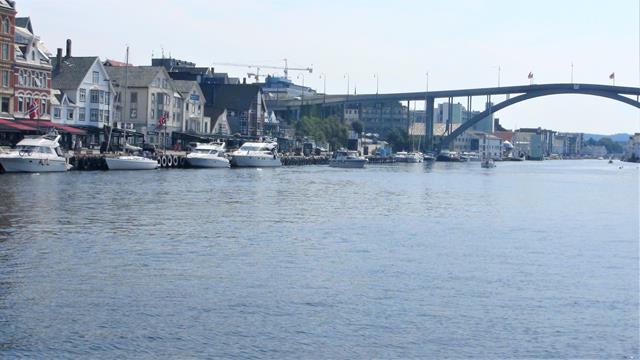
530,75
33,109
163,120
612,76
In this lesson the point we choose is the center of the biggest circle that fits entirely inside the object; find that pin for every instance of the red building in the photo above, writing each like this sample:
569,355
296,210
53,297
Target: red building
7,57
32,72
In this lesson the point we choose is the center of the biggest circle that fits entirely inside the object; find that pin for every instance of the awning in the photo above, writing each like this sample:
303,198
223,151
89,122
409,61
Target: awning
48,124
14,126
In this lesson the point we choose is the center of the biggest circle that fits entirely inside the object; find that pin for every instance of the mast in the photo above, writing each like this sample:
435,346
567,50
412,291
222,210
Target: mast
124,102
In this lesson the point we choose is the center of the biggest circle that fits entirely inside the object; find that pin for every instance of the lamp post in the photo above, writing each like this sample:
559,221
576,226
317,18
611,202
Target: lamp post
323,76
499,74
303,90
377,77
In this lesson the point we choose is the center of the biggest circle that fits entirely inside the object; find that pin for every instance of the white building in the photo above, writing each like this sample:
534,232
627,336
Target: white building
83,94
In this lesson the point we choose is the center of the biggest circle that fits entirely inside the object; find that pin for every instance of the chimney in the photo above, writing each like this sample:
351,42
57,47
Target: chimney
68,55
58,59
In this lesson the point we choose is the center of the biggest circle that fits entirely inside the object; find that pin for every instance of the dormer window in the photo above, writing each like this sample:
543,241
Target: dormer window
33,55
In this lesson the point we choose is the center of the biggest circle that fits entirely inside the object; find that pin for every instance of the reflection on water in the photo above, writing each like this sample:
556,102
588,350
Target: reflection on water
393,261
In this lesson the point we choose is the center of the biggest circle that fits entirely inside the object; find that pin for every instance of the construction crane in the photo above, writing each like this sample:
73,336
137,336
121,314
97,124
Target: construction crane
257,75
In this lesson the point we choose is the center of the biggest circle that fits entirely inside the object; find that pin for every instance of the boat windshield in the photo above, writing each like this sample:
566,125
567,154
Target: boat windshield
254,148
34,149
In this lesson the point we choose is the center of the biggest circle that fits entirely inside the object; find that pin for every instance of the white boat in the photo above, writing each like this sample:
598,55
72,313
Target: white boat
414,157
35,155
347,159
208,156
257,154
126,162
400,156
488,163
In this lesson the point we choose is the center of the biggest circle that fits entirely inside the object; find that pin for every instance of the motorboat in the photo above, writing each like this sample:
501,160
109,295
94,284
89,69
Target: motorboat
36,155
487,163
400,156
470,156
347,159
131,162
448,156
428,157
414,157
208,156
257,154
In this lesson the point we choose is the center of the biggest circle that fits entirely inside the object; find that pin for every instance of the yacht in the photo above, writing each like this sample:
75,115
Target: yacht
257,154
448,156
414,157
131,162
35,155
208,156
400,156
428,157
347,159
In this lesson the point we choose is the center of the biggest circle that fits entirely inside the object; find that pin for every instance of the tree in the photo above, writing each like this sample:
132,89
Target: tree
399,139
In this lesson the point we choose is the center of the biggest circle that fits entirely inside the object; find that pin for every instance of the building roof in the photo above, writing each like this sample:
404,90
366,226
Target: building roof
192,70
138,76
110,62
71,71
25,23
235,97
9,4
184,87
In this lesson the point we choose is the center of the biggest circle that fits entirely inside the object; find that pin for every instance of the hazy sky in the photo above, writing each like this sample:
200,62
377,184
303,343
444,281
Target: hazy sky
460,43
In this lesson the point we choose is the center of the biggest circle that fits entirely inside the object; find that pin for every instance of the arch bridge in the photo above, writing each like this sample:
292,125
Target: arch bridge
514,95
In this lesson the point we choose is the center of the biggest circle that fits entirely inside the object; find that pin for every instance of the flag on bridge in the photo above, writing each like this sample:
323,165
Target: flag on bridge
33,109
612,76
530,75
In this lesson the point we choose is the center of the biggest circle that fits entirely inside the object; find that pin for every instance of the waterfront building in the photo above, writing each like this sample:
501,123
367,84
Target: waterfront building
281,88
543,137
153,107
594,151
193,108
32,72
242,106
380,118
83,94
7,57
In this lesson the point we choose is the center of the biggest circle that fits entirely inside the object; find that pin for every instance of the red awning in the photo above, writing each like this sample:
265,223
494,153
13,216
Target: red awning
15,125
49,124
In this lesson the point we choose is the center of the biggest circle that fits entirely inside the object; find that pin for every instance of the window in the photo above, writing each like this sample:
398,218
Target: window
5,25
5,51
153,114
94,96
95,77
21,78
83,95
20,103
56,113
106,116
70,114
5,78
153,98
43,105
133,114
94,115
101,97
5,104
101,115
82,114
134,98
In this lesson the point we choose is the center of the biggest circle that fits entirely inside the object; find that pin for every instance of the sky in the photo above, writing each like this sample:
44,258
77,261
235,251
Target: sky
460,43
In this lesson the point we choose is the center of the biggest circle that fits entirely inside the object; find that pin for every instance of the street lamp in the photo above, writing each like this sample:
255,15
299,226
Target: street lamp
303,91
323,76
377,77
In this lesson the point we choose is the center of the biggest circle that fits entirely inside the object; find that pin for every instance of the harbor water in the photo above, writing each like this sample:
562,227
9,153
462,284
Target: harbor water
526,260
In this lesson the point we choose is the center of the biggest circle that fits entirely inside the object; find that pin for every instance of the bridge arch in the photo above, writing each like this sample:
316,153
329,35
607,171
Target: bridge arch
531,95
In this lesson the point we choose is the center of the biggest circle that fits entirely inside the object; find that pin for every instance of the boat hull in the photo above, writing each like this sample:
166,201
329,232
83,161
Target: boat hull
349,164
131,164
255,161
33,165
199,162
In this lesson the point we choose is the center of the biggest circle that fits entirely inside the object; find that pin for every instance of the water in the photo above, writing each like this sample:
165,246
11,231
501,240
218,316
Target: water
527,260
